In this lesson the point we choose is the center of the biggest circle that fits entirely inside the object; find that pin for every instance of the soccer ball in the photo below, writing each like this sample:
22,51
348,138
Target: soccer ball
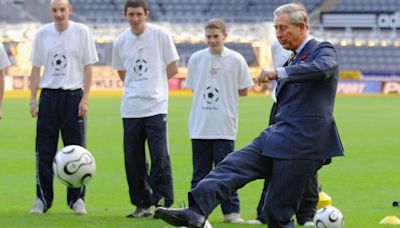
59,62
211,96
74,166
328,217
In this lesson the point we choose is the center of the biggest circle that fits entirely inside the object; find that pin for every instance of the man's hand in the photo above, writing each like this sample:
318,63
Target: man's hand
83,108
33,108
266,75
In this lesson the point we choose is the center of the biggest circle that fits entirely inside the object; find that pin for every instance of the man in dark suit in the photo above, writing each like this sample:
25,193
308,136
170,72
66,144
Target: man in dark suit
289,152
308,204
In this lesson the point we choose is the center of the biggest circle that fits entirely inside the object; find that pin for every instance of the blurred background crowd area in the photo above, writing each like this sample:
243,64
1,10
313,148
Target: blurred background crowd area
366,34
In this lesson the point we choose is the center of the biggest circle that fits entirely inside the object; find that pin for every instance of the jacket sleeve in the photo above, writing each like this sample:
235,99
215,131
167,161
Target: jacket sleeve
322,64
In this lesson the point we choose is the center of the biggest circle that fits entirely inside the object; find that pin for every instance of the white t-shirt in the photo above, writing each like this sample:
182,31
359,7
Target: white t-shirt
216,81
4,61
279,54
64,55
279,57
145,59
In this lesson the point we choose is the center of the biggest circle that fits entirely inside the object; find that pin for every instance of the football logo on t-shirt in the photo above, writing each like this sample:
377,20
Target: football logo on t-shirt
211,95
59,64
140,67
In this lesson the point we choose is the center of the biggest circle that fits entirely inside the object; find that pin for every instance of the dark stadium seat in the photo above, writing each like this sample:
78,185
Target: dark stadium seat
185,50
230,10
367,5
369,59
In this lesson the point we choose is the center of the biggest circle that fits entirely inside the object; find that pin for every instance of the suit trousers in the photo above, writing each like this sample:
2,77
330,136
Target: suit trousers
307,206
309,200
58,111
206,154
287,181
148,188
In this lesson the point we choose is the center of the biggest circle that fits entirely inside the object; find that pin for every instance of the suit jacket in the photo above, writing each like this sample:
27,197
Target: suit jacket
305,127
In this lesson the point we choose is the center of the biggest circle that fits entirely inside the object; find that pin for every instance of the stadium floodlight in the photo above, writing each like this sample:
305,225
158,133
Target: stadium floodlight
384,43
372,43
359,42
344,42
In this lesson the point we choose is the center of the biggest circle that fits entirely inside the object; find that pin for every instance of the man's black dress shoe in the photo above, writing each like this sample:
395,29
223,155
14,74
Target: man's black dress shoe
181,217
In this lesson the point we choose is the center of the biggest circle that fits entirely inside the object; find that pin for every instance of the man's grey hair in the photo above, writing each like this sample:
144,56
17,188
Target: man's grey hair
296,12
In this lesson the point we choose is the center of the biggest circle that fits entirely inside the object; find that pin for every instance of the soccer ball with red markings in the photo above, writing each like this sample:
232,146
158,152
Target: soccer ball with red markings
74,166
328,217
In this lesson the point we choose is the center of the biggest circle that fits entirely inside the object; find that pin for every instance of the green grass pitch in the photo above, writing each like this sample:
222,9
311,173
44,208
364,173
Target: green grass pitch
362,185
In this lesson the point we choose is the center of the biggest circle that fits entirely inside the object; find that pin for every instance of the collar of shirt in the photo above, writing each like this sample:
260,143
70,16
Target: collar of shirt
223,53
298,50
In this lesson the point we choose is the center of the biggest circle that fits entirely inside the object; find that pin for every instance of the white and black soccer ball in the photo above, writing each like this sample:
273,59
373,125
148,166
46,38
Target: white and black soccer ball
59,62
74,166
328,217
211,95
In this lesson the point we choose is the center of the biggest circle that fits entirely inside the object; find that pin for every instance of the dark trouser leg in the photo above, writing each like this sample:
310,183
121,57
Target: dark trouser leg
160,178
260,207
47,132
221,148
235,171
202,160
287,184
308,203
73,131
135,162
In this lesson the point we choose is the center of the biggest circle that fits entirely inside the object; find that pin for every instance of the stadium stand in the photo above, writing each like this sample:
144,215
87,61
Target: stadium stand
238,11
185,50
99,11
369,59
367,6
356,27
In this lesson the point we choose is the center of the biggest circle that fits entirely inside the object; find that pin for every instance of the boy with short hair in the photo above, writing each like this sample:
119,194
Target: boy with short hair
217,76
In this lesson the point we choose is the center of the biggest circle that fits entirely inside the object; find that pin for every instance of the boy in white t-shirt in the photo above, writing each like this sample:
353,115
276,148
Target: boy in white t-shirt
217,77
67,51
145,57
4,63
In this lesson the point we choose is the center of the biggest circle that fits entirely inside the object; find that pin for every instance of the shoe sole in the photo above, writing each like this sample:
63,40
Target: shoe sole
36,212
172,220
80,213
141,216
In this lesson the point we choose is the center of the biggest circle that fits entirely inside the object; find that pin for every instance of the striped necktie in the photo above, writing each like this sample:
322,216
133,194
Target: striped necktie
290,59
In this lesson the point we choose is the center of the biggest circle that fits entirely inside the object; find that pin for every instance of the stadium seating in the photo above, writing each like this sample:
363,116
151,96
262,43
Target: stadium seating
99,11
185,11
189,11
185,20
185,50
369,59
367,6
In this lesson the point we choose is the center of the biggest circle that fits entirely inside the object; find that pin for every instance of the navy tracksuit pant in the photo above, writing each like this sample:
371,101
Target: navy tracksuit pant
58,112
208,153
154,187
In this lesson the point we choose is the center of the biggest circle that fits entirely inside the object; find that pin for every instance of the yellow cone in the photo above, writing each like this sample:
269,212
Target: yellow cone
324,200
391,219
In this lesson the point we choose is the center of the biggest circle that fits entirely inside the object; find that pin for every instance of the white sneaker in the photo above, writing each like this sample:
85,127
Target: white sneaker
309,224
233,218
37,208
79,207
254,222
207,224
